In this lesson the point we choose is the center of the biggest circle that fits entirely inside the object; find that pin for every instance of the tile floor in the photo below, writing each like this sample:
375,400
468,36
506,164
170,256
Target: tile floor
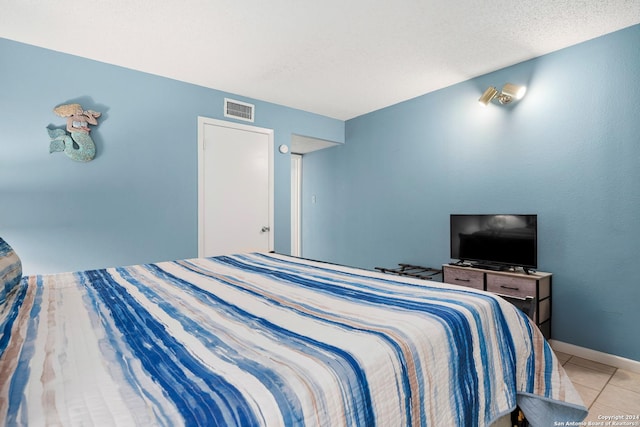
605,390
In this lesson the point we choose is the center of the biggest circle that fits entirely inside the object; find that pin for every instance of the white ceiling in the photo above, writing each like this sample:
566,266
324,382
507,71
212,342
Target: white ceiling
339,58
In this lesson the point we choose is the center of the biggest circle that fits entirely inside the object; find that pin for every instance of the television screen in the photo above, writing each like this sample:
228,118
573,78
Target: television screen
508,240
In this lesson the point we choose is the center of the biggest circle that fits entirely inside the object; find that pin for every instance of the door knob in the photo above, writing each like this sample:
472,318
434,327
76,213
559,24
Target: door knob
265,229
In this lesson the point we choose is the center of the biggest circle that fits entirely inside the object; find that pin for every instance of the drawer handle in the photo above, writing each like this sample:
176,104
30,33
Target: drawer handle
509,287
461,280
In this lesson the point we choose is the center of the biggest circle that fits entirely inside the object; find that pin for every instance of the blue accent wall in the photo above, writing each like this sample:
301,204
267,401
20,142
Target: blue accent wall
569,152
136,202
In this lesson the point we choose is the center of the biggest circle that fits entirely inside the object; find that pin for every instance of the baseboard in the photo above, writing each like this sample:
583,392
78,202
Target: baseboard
596,356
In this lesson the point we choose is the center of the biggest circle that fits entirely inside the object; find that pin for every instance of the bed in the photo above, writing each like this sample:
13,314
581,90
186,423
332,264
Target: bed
269,340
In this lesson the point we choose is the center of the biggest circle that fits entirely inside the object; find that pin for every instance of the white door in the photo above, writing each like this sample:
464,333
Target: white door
235,188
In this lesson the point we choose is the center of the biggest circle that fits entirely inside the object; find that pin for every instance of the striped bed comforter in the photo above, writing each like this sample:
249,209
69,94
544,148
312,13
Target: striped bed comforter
271,340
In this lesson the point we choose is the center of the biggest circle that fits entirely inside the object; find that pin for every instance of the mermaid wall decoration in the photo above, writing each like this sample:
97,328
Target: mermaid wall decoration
77,144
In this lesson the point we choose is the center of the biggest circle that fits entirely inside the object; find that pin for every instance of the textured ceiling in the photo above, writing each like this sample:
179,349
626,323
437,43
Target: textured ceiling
332,57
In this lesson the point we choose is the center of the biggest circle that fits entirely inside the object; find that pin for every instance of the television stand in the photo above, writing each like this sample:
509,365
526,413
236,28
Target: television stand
511,284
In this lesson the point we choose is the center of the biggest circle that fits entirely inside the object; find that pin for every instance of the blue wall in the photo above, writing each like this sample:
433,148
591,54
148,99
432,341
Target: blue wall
137,201
569,152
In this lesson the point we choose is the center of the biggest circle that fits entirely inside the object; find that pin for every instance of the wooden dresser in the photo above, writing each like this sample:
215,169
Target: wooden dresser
515,287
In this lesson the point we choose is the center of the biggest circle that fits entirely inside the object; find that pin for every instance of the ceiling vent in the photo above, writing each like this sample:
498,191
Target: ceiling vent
239,110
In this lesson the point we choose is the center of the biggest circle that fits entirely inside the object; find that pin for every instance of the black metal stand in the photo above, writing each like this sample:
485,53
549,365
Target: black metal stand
409,270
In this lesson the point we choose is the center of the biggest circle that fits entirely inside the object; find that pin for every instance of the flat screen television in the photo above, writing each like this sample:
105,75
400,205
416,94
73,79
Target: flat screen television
495,241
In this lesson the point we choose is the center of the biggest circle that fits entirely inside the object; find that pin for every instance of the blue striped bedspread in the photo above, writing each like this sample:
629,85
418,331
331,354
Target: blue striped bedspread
269,340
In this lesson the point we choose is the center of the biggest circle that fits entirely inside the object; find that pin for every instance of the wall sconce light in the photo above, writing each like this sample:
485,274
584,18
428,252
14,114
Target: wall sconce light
509,93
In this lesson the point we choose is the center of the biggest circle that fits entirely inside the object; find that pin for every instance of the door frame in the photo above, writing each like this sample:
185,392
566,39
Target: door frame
296,205
204,121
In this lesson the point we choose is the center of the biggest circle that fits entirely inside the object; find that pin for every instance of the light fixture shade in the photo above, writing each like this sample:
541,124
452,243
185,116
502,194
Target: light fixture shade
514,91
509,93
488,95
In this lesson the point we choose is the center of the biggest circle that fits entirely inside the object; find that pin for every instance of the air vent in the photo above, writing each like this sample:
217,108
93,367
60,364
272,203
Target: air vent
238,110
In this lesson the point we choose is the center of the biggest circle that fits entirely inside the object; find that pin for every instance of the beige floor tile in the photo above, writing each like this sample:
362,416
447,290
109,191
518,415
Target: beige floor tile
620,398
562,357
598,411
586,377
603,413
595,411
503,422
626,379
587,394
592,365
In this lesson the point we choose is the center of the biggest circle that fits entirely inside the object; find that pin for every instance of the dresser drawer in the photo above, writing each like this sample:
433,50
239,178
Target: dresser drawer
513,286
461,276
